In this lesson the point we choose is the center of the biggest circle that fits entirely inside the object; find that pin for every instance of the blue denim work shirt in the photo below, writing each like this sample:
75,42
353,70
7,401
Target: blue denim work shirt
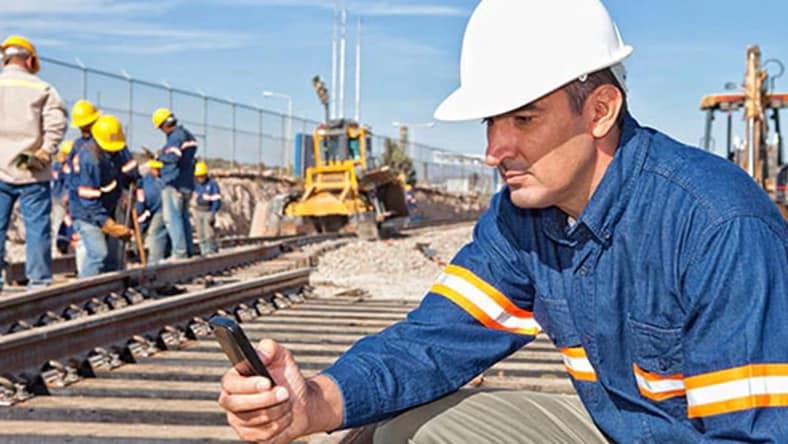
667,298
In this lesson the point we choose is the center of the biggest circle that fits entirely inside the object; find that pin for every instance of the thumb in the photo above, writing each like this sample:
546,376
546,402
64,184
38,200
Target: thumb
272,353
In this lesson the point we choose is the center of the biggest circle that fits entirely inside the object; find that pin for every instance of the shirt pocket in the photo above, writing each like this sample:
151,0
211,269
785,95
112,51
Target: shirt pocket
658,365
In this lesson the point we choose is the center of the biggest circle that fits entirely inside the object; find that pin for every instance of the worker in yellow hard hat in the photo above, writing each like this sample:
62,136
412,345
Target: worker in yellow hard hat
208,202
32,125
93,197
60,172
149,215
177,175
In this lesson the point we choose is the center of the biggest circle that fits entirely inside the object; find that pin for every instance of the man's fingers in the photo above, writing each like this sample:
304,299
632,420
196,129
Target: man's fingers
270,433
234,383
237,403
262,417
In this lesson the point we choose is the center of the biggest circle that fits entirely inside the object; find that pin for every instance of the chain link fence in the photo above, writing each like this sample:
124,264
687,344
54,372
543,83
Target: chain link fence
245,136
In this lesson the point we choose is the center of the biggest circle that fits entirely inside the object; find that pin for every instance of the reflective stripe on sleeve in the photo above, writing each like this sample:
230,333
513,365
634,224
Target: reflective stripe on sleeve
143,217
109,187
75,163
188,144
576,363
88,192
174,150
140,195
658,387
739,388
128,166
211,197
23,83
482,301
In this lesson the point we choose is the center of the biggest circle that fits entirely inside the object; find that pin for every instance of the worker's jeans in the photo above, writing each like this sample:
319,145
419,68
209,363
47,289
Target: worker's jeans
175,210
157,240
500,417
35,204
96,252
205,232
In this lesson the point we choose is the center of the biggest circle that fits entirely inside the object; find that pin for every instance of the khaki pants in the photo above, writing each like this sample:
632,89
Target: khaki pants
500,417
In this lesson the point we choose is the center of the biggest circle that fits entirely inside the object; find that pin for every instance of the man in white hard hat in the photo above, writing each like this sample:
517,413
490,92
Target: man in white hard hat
656,269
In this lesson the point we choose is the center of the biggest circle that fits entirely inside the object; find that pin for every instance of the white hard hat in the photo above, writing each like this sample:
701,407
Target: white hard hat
516,51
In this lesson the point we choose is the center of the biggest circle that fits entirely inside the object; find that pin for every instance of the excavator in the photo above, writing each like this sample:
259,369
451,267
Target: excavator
761,153
343,189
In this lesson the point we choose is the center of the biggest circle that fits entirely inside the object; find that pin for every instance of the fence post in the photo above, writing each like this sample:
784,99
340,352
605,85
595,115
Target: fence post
130,128
260,140
84,78
235,163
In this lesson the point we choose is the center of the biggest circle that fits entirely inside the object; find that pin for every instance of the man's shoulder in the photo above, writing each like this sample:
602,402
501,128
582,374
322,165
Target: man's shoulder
714,183
26,78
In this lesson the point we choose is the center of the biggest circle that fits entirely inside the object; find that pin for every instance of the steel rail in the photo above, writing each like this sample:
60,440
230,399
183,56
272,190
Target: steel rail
32,304
29,350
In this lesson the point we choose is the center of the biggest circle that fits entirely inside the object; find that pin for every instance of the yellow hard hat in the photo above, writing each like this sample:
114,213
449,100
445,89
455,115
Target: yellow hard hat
83,113
200,169
159,116
108,133
153,163
17,41
66,146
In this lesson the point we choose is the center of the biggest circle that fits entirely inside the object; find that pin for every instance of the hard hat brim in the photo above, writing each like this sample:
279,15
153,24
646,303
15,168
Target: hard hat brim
482,101
80,123
112,147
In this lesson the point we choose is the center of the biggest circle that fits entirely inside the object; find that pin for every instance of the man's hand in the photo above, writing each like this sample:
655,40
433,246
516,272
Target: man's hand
295,407
40,160
116,230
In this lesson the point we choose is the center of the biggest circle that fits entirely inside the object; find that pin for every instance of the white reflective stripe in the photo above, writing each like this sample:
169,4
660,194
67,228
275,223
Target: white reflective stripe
740,388
482,301
665,385
130,165
578,364
188,144
143,217
211,197
172,149
88,193
109,187
23,83
67,220
140,195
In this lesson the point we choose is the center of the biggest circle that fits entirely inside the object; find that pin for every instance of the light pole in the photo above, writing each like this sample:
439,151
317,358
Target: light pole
289,134
412,135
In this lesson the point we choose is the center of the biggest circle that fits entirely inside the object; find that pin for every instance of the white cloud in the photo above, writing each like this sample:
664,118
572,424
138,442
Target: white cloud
362,7
81,7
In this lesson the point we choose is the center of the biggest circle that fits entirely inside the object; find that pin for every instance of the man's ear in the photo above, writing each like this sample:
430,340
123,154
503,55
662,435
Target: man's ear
604,105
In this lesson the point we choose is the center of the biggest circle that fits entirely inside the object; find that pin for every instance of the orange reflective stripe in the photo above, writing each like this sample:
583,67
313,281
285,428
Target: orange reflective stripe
88,193
188,144
489,290
745,371
738,404
739,388
475,311
658,387
128,166
576,363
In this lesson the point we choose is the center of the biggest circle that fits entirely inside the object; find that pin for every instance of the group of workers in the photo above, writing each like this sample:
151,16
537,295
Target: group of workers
90,190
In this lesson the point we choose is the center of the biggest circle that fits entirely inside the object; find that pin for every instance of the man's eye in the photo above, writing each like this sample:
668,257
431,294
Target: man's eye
523,119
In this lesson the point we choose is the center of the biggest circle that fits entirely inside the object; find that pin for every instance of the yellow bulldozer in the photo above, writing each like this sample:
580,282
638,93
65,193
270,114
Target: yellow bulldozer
343,189
761,151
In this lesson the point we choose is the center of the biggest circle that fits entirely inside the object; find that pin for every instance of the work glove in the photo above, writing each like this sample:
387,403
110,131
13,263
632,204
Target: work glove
116,230
38,160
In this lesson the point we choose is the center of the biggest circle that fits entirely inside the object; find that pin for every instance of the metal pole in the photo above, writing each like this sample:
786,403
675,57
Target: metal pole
84,78
342,41
131,113
205,123
284,144
260,141
357,114
332,98
729,143
235,164
707,133
289,141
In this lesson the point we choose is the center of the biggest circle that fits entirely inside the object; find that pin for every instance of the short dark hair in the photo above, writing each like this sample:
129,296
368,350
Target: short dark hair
578,91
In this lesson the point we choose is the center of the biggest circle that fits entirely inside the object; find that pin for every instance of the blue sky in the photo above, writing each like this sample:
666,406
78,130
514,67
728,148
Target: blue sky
237,48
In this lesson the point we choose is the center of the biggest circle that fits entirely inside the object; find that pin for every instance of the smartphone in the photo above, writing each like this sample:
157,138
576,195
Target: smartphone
238,348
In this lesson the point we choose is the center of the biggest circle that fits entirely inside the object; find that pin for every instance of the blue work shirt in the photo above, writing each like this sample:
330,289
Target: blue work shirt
94,190
60,174
126,168
148,200
667,298
209,198
177,155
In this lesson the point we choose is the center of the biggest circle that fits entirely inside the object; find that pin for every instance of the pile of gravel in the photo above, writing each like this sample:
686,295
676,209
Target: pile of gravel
388,269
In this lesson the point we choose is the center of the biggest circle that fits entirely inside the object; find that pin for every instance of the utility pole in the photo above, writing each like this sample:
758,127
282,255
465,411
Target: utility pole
357,114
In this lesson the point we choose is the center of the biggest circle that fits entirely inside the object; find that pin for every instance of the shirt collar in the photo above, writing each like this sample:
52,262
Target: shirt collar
611,196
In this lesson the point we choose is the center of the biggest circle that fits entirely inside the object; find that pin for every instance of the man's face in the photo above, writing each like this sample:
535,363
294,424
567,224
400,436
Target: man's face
543,151
156,172
200,179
